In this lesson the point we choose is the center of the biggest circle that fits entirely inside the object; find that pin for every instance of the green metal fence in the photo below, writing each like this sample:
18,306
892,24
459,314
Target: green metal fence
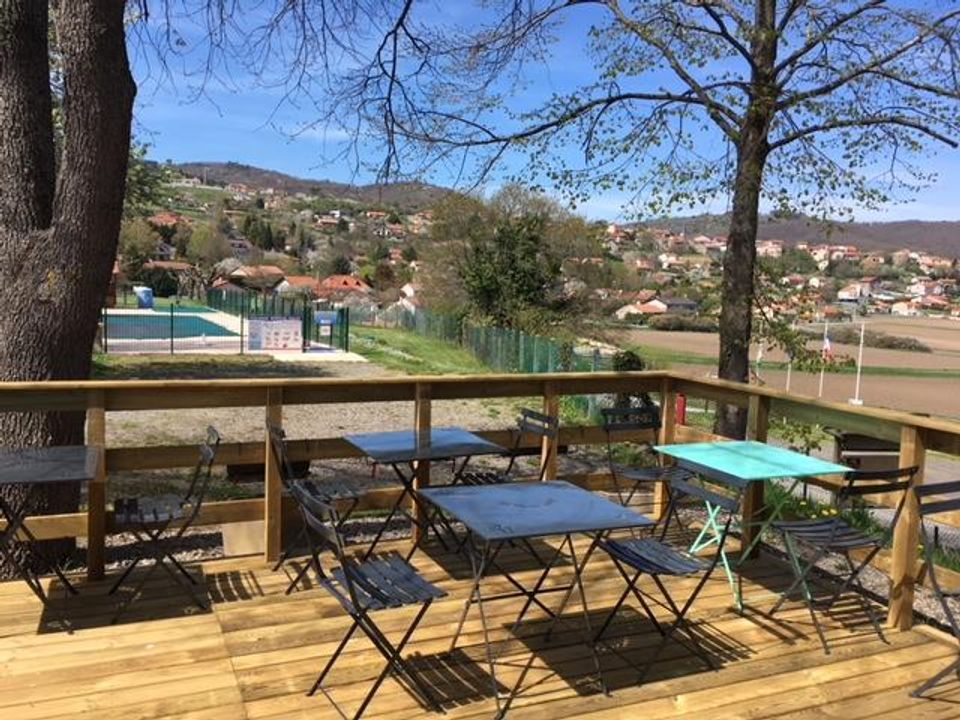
222,323
501,349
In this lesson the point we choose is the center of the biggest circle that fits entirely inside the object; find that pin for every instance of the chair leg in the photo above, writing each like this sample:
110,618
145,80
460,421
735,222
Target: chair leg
333,658
391,653
801,581
854,580
935,680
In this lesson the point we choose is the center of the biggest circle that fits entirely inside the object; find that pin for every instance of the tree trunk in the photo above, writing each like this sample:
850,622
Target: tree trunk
736,314
58,237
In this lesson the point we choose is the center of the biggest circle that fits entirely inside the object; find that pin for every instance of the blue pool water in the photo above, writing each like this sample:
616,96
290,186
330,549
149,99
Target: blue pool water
150,325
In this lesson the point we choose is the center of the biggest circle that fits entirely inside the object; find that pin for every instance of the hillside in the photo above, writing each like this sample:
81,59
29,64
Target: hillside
410,196
942,238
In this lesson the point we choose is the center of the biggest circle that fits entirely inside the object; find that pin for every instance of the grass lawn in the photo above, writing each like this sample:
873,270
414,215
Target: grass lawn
410,353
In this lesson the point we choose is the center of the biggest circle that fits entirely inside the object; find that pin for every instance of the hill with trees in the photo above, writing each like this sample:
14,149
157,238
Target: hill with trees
939,237
409,196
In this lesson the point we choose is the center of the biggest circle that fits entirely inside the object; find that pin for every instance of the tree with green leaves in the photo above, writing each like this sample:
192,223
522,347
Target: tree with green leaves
815,106
511,278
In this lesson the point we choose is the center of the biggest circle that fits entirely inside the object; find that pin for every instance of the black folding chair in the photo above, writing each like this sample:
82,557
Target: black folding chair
617,420
159,522
278,448
834,534
364,588
655,557
933,499
530,422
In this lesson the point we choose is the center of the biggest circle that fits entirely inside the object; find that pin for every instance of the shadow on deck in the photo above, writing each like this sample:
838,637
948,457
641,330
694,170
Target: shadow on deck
256,652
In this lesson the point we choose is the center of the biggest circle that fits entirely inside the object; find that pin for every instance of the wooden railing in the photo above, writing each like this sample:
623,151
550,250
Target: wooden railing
916,434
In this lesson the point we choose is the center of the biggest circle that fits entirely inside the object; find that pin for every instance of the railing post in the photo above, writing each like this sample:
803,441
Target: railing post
548,446
668,427
758,421
422,410
97,489
906,536
272,484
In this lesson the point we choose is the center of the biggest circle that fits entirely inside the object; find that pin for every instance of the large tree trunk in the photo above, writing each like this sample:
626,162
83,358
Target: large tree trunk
58,235
737,295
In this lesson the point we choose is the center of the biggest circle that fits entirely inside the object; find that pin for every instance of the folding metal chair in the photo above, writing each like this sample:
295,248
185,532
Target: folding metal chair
530,422
278,448
364,588
657,558
156,521
618,420
834,534
933,499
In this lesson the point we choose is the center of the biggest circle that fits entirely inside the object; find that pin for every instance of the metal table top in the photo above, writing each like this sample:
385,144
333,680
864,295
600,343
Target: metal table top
62,463
512,511
744,461
408,445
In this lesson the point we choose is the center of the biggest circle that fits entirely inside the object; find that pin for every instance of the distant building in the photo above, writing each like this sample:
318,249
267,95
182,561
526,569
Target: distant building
257,277
299,285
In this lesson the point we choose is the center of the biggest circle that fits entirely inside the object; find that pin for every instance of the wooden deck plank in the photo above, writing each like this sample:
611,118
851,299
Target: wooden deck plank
258,651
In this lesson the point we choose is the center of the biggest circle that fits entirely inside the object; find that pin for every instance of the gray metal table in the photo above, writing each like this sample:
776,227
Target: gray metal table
402,449
34,468
496,515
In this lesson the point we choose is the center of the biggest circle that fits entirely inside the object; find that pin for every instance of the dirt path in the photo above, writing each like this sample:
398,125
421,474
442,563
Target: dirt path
302,421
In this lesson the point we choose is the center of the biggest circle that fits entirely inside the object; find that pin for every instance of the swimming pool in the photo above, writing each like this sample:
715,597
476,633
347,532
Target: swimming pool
152,325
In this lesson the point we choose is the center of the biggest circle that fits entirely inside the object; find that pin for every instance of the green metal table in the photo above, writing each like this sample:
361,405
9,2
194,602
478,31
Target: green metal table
739,463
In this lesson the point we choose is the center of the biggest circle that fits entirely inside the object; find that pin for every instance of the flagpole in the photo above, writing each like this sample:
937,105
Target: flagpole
790,361
856,395
823,356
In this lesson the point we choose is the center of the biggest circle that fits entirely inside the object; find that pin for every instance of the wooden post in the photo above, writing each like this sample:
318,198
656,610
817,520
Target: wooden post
422,422
758,421
272,484
548,446
668,429
97,488
906,536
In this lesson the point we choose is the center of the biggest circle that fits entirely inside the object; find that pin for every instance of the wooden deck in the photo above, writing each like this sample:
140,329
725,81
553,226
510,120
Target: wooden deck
258,651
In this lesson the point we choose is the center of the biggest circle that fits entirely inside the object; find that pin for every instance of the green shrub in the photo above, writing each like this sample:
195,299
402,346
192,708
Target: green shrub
682,323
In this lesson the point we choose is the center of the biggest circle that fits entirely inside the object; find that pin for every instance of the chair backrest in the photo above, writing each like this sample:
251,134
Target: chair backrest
323,525
202,472
682,487
931,500
624,419
938,497
862,483
531,422
278,449
628,419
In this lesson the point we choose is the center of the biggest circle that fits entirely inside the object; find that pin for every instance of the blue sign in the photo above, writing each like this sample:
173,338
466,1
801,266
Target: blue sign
326,318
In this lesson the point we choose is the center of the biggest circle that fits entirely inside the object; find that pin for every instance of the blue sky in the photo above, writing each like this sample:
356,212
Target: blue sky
239,124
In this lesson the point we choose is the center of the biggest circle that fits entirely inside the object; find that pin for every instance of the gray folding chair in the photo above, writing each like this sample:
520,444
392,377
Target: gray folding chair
655,557
156,521
834,534
278,448
363,589
933,499
629,480
530,422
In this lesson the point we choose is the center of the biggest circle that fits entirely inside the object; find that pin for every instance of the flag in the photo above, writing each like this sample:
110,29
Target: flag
827,352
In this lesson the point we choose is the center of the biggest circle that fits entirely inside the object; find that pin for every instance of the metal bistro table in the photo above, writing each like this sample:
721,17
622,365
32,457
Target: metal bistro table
34,468
739,463
401,449
496,515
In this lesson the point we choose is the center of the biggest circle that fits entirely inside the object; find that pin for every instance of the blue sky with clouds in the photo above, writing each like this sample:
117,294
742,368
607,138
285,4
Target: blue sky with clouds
241,124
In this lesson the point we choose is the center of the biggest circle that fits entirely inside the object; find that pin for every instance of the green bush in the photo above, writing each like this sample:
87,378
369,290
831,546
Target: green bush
682,323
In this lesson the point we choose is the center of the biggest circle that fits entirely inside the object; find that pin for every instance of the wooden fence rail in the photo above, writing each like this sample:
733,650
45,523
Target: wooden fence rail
917,436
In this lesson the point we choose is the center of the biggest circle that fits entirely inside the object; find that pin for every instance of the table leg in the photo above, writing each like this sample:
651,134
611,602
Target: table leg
479,570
